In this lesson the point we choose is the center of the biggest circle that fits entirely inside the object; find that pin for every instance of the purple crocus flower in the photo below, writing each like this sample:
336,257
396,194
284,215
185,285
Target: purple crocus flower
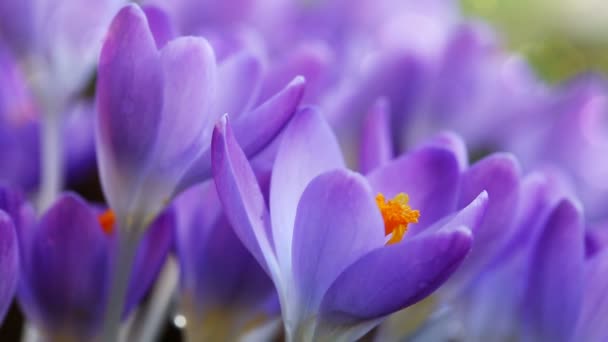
443,161
446,158
67,263
323,241
223,288
157,103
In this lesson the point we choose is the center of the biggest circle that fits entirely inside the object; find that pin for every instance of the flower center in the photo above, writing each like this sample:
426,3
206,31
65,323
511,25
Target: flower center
397,215
106,221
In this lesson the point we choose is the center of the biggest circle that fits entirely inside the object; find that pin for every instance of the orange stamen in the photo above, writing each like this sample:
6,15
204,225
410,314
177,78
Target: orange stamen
397,215
107,220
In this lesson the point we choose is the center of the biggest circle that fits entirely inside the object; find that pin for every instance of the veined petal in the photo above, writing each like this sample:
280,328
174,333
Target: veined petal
129,104
189,75
337,222
242,198
376,139
553,298
393,277
430,176
307,149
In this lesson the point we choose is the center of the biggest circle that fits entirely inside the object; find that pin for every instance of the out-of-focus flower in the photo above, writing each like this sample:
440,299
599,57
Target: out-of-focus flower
20,130
157,103
223,288
58,40
466,89
570,133
67,262
540,287
323,242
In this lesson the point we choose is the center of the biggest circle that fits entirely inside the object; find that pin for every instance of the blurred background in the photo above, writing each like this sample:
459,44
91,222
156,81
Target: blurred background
560,38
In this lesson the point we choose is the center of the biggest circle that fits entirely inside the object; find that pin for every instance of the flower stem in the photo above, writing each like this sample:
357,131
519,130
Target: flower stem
158,308
51,170
123,264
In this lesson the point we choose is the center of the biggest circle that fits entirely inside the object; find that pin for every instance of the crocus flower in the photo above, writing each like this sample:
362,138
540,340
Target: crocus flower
324,239
223,288
67,264
157,103
445,156
443,160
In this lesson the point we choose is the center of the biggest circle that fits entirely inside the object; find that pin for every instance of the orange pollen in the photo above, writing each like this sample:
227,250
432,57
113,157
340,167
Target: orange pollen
107,220
397,215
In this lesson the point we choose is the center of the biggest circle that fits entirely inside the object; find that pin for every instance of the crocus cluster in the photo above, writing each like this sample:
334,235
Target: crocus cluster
293,170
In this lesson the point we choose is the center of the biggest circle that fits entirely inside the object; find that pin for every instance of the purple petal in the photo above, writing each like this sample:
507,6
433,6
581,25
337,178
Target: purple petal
499,175
269,118
189,76
65,280
554,294
240,76
253,131
454,143
17,24
594,314
241,196
151,255
22,215
216,269
79,141
307,149
160,25
129,103
311,61
337,222
9,263
463,71
376,142
430,176
391,278
596,239
470,216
